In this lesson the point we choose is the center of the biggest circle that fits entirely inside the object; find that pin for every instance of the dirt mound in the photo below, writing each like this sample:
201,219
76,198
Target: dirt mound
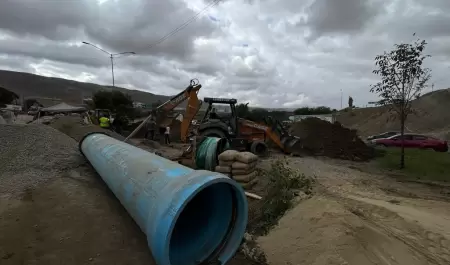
33,154
319,137
76,128
431,117
324,231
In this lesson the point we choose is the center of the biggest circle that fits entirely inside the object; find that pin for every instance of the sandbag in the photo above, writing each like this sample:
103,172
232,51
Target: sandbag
229,155
223,169
246,157
240,165
242,171
225,163
249,185
245,178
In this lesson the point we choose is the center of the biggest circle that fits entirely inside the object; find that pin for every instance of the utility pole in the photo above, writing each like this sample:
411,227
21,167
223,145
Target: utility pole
111,56
341,98
112,67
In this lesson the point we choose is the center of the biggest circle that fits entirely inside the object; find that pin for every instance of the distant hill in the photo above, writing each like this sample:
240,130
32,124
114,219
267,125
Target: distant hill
30,85
432,117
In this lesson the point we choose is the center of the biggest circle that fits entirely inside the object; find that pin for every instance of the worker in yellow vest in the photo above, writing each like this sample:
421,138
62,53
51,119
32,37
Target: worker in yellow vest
104,122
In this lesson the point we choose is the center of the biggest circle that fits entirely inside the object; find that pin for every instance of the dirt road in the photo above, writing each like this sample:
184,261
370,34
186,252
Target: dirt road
360,218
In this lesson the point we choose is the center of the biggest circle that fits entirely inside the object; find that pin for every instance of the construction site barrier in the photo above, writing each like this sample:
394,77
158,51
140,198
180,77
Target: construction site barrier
189,216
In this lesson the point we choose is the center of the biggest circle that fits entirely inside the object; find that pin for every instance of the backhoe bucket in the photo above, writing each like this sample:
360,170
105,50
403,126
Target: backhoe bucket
291,144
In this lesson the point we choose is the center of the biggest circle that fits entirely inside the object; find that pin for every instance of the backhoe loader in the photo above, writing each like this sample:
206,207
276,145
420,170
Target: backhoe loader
244,135
160,114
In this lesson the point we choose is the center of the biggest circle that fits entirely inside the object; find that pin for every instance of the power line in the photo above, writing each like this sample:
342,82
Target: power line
186,23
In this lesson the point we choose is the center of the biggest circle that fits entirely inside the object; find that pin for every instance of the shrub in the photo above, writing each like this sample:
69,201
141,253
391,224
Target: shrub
285,184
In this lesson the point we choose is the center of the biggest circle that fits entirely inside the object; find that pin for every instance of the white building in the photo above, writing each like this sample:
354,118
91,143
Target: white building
138,105
326,117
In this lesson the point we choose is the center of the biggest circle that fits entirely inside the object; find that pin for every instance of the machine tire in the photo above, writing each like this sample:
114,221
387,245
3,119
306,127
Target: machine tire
259,148
213,133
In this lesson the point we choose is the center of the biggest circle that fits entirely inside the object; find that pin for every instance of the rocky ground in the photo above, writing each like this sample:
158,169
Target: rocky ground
54,209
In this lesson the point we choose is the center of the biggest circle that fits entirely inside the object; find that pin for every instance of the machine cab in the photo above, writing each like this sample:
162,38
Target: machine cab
220,114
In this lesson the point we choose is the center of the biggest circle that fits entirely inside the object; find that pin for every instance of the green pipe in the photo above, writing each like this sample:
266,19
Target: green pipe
208,150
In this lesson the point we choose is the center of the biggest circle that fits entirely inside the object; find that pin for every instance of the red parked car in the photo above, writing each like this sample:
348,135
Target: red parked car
414,141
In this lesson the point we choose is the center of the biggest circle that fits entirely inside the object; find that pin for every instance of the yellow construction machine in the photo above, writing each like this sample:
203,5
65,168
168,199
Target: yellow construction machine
161,113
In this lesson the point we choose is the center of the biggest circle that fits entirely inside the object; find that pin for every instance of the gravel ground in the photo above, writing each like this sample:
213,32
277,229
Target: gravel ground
54,208
33,154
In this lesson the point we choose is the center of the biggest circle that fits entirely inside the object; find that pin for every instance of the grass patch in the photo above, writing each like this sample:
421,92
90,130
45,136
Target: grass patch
285,184
419,164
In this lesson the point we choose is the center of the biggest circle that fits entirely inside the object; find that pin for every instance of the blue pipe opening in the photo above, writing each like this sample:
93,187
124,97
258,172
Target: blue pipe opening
202,225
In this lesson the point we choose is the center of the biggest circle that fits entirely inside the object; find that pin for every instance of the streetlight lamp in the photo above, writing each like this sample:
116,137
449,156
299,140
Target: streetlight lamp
111,56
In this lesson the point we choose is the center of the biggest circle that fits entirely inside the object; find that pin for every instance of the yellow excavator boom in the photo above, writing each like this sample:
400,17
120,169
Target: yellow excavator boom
160,114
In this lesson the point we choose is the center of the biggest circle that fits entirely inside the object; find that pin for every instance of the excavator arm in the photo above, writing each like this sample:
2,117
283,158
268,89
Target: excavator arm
160,114
192,108
176,100
275,131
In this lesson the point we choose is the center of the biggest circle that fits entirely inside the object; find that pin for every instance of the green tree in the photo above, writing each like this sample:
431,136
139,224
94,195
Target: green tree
313,110
30,102
117,102
103,100
403,77
112,100
7,96
258,114
242,110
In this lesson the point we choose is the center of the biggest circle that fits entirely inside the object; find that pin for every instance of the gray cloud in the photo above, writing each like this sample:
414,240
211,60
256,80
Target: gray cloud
344,16
265,52
56,20
116,25
54,51
137,25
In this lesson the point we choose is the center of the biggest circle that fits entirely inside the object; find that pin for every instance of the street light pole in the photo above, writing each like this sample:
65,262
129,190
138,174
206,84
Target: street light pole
112,67
111,56
341,98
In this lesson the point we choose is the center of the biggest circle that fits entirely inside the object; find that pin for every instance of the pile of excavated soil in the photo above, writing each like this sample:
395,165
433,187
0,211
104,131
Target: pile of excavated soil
55,209
76,128
430,116
322,138
325,231
33,154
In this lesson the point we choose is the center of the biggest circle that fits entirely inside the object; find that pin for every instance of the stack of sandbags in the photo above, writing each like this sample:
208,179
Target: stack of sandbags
239,166
226,158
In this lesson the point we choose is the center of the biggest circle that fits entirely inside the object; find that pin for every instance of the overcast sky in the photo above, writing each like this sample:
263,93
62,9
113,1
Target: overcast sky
270,53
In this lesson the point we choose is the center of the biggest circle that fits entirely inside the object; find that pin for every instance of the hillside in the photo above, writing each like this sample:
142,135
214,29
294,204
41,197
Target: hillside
432,117
31,85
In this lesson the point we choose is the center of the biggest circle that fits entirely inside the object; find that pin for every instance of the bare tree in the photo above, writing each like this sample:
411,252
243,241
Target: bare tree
403,77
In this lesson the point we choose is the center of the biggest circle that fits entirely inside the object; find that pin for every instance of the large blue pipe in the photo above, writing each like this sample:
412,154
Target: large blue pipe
189,216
